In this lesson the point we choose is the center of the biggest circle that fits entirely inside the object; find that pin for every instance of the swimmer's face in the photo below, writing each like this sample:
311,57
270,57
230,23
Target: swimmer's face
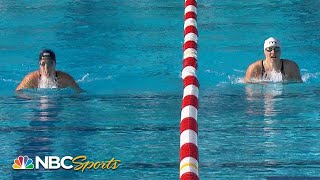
272,53
47,67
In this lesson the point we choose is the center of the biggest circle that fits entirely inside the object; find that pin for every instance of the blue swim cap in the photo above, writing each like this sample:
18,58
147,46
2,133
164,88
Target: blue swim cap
47,53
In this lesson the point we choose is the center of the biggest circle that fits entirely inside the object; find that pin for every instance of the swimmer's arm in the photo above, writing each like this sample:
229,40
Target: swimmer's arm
22,95
251,74
295,75
68,81
29,81
74,85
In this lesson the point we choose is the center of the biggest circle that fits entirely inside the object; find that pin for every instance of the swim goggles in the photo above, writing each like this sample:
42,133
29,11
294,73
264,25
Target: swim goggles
276,49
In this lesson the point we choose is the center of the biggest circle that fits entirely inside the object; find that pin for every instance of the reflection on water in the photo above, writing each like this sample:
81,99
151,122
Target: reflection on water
44,105
271,96
270,93
114,127
37,137
37,140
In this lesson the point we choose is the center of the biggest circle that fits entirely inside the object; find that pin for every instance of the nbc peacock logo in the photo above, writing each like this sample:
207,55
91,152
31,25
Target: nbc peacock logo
23,162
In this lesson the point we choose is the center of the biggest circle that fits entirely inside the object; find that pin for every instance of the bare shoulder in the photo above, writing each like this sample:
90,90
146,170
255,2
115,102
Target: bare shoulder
292,70
66,80
29,81
64,75
254,71
33,75
290,64
255,65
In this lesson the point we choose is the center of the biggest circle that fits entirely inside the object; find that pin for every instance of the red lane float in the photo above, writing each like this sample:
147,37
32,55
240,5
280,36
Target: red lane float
189,156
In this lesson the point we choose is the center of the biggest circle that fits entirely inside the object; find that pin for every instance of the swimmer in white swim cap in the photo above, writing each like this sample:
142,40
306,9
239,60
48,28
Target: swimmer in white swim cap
273,66
47,76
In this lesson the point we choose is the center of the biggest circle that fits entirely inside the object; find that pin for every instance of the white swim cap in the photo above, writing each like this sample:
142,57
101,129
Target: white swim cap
271,41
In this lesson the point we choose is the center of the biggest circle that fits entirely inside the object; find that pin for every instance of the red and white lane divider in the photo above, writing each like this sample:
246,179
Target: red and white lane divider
188,125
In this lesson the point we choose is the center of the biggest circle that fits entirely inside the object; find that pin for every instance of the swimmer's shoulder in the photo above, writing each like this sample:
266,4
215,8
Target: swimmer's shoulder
66,80
254,71
290,64
33,75
292,70
63,75
257,64
29,81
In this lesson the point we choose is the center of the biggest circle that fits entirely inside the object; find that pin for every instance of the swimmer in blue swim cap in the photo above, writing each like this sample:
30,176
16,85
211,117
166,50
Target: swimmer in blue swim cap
47,76
273,68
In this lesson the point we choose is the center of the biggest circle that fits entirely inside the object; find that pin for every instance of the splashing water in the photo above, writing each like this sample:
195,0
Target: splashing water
273,76
50,82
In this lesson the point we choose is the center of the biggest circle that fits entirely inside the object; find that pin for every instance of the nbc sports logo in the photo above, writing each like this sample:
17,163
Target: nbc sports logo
55,162
23,162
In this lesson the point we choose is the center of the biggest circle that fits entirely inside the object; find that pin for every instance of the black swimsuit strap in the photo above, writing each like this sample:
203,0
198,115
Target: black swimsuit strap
263,70
282,68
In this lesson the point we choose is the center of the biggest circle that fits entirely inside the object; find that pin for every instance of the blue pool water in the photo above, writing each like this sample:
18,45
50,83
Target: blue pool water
127,56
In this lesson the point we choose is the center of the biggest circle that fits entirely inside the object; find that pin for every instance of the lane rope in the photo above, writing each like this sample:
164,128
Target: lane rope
189,157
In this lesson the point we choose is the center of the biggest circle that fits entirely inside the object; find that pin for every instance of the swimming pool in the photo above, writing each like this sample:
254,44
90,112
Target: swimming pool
127,55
